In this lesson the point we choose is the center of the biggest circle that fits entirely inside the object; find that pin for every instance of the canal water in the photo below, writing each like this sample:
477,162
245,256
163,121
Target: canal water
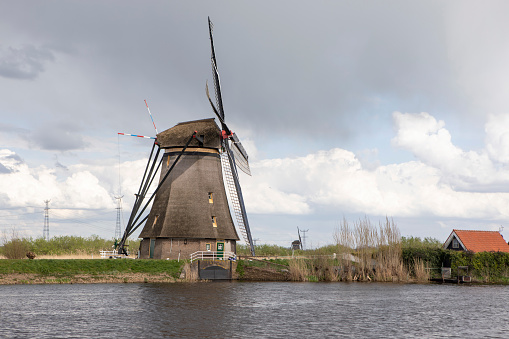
254,310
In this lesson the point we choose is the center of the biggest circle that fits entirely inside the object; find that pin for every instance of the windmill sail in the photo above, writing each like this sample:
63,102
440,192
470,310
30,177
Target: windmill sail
236,199
237,150
240,155
215,74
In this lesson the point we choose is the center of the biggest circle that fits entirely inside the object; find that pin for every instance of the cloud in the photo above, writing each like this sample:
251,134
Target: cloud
497,137
58,137
4,169
25,62
444,180
30,186
9,161
431,143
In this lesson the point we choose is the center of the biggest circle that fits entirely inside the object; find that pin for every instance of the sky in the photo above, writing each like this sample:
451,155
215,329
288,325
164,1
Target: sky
348,110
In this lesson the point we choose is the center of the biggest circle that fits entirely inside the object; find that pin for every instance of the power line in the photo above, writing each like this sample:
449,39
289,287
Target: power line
81,222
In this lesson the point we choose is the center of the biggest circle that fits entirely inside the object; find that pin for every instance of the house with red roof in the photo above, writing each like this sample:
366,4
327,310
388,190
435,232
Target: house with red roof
476,241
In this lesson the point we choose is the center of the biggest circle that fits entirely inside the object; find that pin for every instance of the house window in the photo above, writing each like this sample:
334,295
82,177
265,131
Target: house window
455,243
211,199
214,222
207,246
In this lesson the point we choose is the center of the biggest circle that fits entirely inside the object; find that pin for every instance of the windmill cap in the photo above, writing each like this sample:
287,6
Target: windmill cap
178,135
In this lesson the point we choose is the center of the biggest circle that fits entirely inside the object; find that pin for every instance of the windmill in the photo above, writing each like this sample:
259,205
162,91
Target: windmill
190,210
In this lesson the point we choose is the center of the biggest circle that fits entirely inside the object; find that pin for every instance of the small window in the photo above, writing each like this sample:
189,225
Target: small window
211,198
214,222
168,161
455,243
207,246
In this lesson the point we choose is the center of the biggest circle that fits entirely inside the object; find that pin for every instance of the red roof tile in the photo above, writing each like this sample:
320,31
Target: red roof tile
482,241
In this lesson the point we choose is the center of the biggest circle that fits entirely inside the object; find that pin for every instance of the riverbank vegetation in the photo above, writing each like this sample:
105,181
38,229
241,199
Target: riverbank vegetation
16,247
361,251
365,252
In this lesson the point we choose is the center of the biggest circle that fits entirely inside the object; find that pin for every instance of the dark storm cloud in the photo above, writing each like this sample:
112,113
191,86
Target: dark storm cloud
25,62
319,71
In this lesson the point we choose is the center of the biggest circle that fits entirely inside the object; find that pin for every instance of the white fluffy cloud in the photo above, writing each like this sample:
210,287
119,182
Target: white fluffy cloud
497,137
444,180
22,186
431,143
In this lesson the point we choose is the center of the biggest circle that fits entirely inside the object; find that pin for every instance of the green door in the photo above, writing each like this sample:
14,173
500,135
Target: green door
152,247
220,249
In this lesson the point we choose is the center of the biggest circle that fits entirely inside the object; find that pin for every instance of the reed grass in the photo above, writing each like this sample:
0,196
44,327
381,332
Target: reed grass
190,274
369,253
421,271
298,270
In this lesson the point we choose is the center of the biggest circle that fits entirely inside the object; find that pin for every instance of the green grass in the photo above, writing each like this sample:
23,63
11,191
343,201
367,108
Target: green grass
69,267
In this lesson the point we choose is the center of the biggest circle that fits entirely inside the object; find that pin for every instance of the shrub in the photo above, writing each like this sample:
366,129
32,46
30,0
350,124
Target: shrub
15,247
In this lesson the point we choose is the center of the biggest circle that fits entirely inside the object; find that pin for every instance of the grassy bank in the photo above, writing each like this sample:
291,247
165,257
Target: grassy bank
83,270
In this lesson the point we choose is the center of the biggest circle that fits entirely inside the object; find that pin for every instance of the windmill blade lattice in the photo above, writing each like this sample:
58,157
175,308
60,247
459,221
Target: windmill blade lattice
234,196
240,160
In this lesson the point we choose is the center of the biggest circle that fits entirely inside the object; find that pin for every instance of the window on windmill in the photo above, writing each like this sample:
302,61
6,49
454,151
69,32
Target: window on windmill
168,161
214,222
155,220
211,198
455,243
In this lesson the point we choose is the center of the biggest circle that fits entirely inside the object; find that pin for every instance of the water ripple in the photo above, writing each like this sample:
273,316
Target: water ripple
245,310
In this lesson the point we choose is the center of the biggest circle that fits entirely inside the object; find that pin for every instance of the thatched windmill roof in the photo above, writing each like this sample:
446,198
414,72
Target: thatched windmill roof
178,135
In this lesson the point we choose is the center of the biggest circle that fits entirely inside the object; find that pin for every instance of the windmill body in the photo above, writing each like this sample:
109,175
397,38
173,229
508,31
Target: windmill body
190,212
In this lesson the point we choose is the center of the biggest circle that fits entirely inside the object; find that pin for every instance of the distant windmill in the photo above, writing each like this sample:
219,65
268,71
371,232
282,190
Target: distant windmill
190,210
